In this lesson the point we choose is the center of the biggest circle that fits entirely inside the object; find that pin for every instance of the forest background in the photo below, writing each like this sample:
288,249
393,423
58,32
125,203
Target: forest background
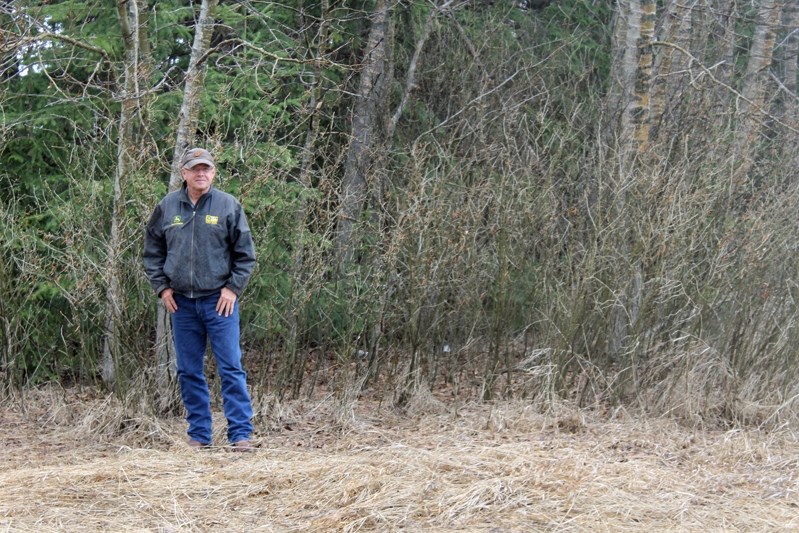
577,200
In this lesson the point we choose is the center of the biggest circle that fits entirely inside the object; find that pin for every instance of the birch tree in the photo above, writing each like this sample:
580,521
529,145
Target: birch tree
132,33
751,104
790,61
791,56
637,70
671,65
638,19
726,21
790,71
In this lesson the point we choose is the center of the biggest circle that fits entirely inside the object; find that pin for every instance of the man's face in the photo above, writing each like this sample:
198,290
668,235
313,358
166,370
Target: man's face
199,178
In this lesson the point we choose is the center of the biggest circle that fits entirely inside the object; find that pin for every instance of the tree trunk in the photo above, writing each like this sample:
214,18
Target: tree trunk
728,16
636,76
195,77
364,133
616,91
128,12
751,106
9,57
790,60
637,71
410,77
671,65
385,263
187,125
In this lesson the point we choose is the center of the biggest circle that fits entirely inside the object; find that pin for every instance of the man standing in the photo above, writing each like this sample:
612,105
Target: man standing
198,256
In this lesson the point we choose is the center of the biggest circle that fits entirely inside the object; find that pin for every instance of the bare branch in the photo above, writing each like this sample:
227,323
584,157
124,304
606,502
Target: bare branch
410,80
56,36
709,73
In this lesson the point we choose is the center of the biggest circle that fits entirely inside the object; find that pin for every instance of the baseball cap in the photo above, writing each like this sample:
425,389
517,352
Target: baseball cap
196,156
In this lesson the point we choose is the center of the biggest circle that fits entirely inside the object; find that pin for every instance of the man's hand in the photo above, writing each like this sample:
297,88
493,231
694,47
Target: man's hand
169,301
227,300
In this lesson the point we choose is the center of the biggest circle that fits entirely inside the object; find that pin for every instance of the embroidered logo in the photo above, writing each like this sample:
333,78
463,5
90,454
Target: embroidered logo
176,220
211,219
198,153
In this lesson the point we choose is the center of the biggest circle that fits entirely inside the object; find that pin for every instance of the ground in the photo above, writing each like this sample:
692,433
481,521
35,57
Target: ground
77,462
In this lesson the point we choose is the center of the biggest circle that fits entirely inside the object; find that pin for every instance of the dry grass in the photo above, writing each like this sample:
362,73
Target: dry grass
83,463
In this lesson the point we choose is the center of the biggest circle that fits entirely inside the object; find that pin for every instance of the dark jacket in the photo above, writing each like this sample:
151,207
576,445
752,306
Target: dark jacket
198,250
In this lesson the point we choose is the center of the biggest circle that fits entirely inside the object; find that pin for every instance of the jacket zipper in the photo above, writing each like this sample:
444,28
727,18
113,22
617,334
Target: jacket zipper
191,255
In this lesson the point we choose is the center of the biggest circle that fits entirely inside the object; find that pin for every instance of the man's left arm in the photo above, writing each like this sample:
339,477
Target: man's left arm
242,253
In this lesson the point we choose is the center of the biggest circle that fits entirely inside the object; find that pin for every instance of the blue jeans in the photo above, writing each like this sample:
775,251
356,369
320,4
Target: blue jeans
195,322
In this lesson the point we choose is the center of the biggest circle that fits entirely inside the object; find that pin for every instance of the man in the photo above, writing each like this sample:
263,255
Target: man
198,256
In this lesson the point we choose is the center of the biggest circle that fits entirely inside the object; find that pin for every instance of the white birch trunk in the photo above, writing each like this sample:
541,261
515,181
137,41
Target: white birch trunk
129,24
751,106
636,78
790,60
670,64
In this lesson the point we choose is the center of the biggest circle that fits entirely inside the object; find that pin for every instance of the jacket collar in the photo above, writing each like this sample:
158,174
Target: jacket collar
184,194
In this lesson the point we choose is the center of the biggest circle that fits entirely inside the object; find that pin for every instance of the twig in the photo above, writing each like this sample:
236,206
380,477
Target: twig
725,85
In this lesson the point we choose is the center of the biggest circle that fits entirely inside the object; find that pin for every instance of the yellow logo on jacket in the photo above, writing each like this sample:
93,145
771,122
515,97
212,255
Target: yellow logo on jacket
211,219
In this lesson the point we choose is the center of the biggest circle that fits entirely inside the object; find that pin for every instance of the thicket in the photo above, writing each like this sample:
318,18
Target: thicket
503,232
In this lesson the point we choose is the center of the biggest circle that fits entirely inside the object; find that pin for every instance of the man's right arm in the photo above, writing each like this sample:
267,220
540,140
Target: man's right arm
155,252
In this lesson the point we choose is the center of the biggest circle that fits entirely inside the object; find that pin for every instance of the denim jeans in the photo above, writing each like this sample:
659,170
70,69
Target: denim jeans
195,322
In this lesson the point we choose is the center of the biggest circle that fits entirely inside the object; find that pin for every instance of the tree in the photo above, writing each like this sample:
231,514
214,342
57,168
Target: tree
637,23
134,37
365,136
534,217
790,72
671,65
790,56
751,104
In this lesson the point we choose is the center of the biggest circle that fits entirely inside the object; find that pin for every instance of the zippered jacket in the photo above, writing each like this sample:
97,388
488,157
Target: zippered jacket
198,250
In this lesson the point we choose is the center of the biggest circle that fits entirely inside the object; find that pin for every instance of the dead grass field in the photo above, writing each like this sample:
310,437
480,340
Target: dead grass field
76,462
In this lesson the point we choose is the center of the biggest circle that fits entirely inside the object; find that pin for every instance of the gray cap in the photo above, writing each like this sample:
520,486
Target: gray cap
196,156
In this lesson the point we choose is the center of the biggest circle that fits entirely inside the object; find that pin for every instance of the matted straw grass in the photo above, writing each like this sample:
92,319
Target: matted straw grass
82,464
